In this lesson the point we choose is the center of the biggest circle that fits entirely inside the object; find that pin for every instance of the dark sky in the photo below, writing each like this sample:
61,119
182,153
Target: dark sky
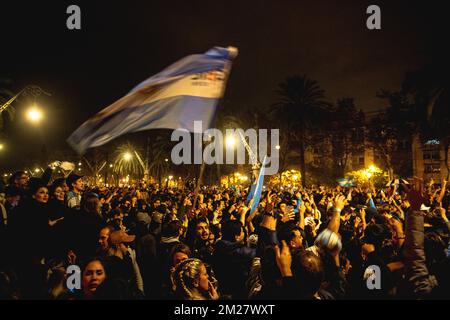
124,42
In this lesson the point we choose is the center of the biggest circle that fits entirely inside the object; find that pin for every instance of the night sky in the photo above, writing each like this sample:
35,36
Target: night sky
122,43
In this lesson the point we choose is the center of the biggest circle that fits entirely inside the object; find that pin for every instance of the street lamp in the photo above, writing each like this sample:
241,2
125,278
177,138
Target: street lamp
34,114
1,146
230,141
277,147
127,156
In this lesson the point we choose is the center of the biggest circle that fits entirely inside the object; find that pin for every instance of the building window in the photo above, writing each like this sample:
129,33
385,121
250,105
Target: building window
361,160
426,156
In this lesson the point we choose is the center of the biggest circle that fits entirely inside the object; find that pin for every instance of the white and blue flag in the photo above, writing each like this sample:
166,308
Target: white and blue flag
258,187
186,91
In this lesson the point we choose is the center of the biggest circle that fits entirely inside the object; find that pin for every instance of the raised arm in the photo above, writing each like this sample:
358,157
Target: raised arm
338,205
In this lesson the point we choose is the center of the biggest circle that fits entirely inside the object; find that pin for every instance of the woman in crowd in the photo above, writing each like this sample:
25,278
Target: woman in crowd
93,276
192,281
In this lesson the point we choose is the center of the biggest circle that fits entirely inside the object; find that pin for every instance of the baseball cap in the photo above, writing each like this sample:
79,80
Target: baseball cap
121,236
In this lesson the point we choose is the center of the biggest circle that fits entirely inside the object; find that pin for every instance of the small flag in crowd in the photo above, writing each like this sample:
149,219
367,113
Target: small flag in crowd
347,181
186,91
258,188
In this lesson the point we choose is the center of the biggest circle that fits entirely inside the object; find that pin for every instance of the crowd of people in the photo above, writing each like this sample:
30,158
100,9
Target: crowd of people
148,242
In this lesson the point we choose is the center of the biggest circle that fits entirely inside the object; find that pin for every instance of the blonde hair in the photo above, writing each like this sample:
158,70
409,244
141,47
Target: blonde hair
185,275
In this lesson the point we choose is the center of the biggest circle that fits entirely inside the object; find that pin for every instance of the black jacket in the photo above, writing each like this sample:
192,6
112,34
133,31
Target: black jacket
29,230
83,229
231,263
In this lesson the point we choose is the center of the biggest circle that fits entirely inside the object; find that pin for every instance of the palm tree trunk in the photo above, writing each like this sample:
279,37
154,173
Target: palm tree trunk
302,159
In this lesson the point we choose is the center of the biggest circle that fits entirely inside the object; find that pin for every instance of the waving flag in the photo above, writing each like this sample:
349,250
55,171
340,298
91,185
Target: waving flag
258,189
186,91
347,181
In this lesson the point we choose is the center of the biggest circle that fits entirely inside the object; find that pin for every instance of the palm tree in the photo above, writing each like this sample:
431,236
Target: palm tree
126,161
430,88
301,108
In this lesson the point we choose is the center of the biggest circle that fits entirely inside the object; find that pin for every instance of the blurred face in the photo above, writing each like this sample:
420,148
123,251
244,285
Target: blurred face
296,242
78,185
59,194
202,231
203,282
118,216
65,187
22,180
41,195
93,276
283,207
157,203
13,200
178,258
103,239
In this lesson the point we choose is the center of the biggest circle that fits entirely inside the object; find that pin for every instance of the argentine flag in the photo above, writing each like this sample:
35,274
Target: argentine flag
258,187
186,91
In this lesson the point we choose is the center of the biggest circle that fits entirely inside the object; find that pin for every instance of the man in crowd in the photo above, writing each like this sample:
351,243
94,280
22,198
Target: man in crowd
76,187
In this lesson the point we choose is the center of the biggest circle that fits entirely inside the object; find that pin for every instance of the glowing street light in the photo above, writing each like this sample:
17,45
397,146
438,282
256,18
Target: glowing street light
31,90
230,141
277,147
170,177
368,174
166,160
34,114
37,170
1,146
79,163
127,156
110,165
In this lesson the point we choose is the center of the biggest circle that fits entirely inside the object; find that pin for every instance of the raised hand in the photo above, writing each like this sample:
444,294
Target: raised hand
284,259
339,202
288,216
213,295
